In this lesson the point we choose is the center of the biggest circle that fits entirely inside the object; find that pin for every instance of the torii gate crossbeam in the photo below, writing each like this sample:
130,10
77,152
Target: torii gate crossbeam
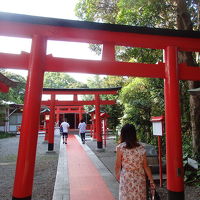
73,103
41,29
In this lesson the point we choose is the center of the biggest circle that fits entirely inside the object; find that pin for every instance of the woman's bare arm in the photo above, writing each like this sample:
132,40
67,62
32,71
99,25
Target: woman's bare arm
147,169
118,163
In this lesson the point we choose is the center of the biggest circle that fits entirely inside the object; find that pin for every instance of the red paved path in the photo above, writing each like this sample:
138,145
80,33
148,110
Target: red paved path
85,181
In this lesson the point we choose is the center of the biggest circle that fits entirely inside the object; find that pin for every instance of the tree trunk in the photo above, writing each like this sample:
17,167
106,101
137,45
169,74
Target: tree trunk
184,23
195,120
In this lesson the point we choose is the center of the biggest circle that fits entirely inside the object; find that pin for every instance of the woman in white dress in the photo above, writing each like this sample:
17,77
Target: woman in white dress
131,166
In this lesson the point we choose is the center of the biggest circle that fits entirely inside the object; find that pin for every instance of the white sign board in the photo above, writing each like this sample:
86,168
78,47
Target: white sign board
193,163
157,128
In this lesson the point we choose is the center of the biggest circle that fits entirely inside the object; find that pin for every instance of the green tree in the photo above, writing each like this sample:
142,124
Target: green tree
114,81
140,102
142,13
95,82
61,80
115,111
15,95
95,10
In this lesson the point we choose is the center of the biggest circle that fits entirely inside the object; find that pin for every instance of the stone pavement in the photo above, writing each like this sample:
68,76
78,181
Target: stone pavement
107,157
64,185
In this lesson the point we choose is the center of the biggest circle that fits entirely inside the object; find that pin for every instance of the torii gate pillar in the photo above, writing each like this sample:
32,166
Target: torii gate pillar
98,122
80,114
29,131
175,183
51,124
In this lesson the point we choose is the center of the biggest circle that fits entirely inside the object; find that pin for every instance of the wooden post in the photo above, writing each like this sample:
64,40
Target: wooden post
29,132
175,176
98,122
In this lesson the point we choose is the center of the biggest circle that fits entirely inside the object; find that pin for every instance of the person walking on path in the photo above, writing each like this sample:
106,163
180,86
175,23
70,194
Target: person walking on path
131,166
82,130
65,129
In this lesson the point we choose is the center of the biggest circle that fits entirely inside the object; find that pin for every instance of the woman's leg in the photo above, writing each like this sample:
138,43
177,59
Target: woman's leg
84,137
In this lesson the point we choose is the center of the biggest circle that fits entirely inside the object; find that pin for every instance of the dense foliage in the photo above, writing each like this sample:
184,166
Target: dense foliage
6,135
142,99
61,80
15,95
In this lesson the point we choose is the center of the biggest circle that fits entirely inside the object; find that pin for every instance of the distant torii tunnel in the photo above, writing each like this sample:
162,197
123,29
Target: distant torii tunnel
52,103
41,29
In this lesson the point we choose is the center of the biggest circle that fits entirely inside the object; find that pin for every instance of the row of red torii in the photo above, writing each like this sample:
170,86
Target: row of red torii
76,110
53,103
41,29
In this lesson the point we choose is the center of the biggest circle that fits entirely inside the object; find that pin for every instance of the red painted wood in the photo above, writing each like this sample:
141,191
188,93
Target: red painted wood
52,120
84,179
80,115
93,126
105,67
29,130
97,118
47,131
108,53
15,61
75,98
157,118
69,109
18,29
79,92
4,88
189,72
73,103
160,160
173,123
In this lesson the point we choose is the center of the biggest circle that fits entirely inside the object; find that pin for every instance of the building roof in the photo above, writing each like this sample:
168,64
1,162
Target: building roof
20,106
82,89
7,81
96,26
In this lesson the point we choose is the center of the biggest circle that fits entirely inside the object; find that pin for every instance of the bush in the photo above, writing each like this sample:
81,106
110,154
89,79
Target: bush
6,135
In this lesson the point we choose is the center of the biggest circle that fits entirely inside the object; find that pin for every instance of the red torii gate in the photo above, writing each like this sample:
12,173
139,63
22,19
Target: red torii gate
69,109
41,29
75,92
104,117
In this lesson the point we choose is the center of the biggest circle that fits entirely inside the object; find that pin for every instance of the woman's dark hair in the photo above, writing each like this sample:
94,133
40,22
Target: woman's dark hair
128,135
82,121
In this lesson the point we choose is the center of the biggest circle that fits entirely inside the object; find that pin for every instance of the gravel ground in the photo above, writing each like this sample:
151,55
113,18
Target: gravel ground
45,169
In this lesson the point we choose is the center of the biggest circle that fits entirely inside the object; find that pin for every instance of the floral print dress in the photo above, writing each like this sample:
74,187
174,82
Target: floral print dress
132,176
